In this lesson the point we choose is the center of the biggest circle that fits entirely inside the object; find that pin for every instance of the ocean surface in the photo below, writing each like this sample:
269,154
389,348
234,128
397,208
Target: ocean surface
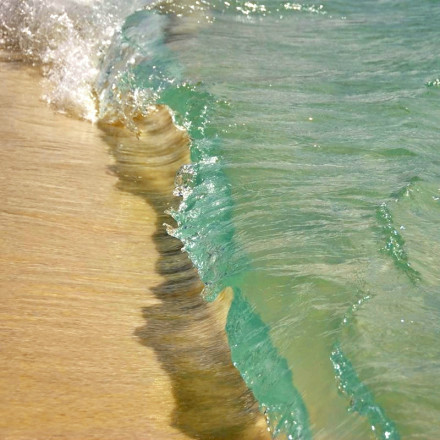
314,187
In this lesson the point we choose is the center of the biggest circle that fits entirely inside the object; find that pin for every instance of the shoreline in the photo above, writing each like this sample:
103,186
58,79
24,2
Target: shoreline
95,295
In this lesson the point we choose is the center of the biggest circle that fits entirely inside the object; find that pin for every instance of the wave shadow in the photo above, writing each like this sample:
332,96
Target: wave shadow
186,333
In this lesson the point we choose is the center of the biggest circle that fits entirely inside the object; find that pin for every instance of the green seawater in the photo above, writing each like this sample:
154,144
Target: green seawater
315,193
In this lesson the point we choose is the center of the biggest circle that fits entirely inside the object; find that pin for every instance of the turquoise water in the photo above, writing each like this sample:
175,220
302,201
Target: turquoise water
329,144
314,192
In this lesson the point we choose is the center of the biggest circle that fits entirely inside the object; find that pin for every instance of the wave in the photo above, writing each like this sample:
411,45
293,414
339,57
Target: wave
117,63
109,62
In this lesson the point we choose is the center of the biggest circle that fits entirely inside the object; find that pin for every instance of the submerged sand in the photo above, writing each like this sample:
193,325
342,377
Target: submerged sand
97,319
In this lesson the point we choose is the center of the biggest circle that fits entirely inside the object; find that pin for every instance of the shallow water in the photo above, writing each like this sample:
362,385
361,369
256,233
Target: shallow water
314,193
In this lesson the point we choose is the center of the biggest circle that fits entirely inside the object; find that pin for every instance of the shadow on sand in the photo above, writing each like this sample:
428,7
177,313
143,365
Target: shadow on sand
187,334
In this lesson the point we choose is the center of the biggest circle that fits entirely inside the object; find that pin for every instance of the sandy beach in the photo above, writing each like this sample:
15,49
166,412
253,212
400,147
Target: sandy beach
97,319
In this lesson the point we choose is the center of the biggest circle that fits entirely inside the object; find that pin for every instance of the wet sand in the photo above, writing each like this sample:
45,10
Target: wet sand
103,331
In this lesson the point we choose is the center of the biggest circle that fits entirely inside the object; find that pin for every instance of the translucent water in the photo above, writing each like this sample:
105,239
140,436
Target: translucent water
330,149
314,192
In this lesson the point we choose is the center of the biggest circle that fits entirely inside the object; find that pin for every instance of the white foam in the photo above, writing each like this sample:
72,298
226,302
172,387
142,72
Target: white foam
67,38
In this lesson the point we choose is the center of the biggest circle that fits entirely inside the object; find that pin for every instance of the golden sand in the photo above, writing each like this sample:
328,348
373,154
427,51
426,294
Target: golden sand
104,334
